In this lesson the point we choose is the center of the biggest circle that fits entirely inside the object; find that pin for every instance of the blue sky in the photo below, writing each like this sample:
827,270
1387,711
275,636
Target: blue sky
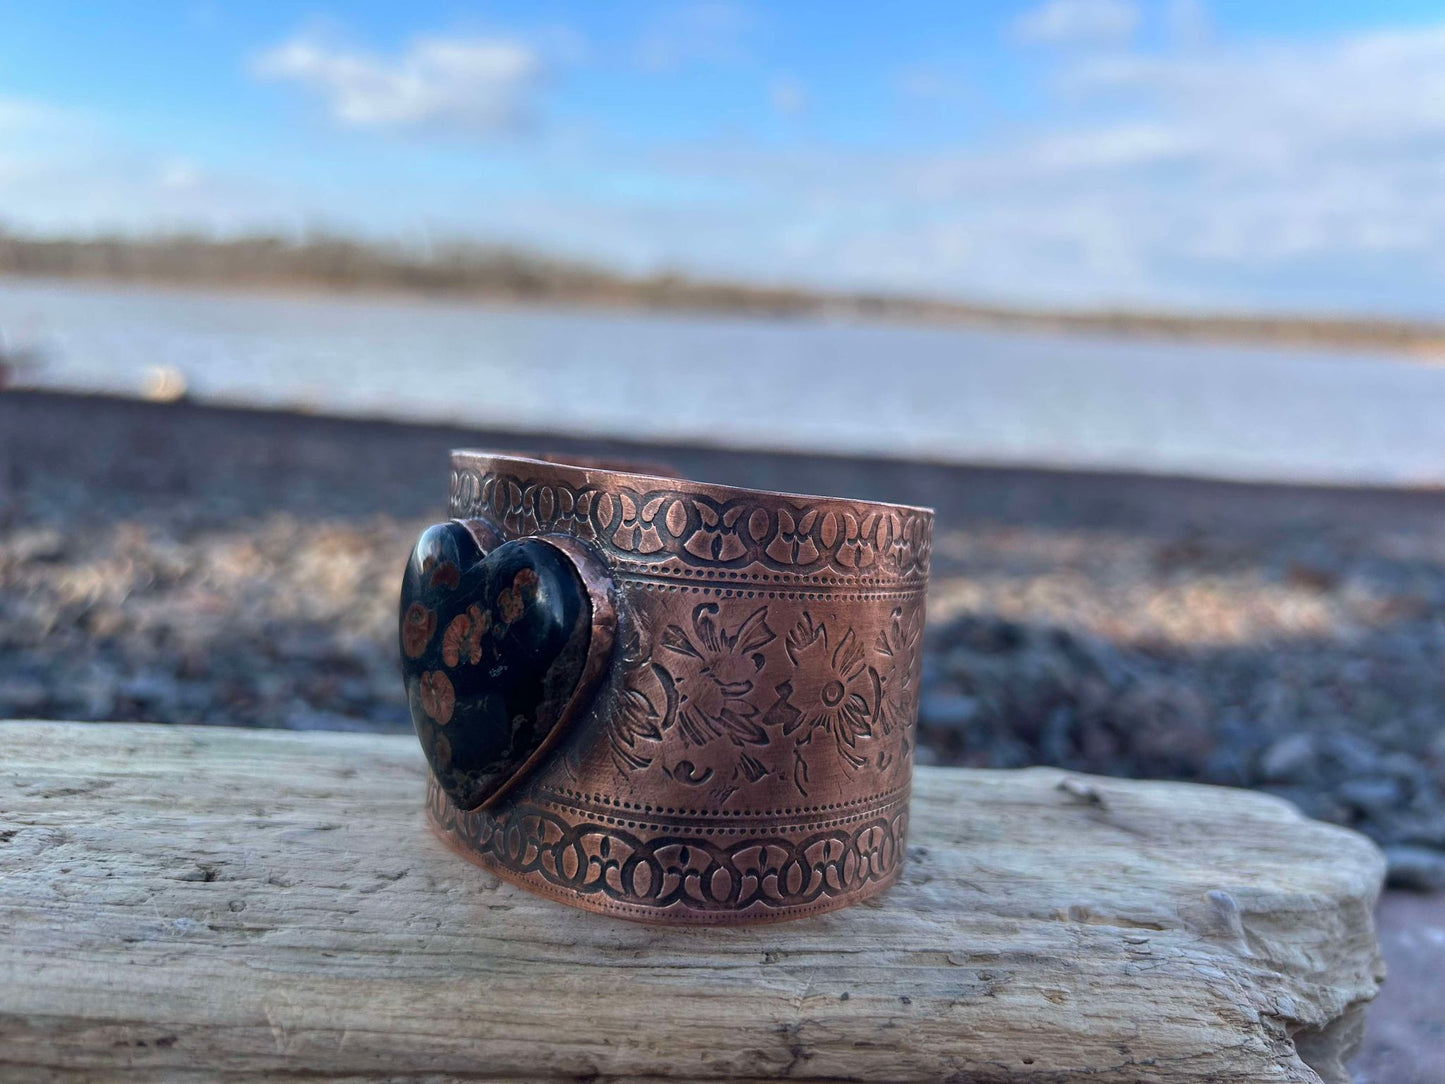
1195,154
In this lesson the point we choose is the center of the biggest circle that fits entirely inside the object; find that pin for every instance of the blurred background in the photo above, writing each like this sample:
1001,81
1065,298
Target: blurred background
1146,297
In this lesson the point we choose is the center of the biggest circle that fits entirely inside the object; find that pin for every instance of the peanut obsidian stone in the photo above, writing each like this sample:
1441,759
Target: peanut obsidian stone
493,648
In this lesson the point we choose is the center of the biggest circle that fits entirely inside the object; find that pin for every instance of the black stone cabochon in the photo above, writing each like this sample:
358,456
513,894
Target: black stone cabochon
493,648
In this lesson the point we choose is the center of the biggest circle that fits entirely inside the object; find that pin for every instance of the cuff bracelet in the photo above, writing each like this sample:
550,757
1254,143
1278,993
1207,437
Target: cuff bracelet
665,700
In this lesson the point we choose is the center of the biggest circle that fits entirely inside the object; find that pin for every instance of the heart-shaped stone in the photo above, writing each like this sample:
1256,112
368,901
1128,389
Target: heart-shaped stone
495,654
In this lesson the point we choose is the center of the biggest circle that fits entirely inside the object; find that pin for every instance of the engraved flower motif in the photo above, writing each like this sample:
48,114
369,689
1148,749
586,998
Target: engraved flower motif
438,698
417,627
463,637
646,704
898,642
793,544
832,689
716,536
716,674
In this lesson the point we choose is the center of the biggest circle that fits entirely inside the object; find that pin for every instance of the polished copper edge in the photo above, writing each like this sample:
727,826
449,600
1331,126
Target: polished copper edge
483,534
747,754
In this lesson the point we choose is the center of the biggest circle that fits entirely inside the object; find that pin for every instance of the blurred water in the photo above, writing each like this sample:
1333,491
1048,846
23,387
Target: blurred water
948,394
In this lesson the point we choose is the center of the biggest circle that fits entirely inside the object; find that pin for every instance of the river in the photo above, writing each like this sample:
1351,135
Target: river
950,394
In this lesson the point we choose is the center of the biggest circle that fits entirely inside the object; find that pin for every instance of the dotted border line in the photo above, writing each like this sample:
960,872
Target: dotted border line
799,578
883,798
758,829
821,593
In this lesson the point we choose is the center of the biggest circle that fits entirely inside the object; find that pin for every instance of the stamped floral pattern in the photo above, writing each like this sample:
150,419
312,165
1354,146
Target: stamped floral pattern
714,670
824,682
647,699
898,642
832,690
701,530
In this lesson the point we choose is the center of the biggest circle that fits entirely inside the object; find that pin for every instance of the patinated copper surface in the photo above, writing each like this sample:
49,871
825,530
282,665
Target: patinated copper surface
745,751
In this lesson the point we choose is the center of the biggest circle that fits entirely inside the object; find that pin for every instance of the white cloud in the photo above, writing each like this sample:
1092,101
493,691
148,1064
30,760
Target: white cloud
931,83
1200,173
701,32
476,85
1303,175
22,115
1188,22
789,96
64,171
1385,88
1071,22
34,137
178,174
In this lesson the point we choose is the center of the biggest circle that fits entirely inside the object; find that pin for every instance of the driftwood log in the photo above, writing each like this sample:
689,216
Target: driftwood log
206,904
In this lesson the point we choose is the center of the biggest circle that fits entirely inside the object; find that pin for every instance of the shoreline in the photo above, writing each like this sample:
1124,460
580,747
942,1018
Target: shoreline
915,473
1406,340
175,395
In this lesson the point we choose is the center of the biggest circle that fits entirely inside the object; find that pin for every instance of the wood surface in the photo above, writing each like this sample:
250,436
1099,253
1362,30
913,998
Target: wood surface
191,903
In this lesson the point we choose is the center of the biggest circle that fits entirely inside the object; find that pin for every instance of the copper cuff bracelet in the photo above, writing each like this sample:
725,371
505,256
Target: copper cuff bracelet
663,700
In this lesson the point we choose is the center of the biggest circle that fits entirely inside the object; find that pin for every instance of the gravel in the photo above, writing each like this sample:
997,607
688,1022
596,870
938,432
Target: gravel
1286,639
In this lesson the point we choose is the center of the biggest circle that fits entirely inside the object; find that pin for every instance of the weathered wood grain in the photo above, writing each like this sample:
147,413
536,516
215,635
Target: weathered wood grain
193,903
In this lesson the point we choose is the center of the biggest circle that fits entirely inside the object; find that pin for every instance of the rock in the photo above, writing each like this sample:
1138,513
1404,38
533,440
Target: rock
1419,868
1056,739
1068,636
151,689
1351,754
1290,759
947,710
43,544
1372,794
19,696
